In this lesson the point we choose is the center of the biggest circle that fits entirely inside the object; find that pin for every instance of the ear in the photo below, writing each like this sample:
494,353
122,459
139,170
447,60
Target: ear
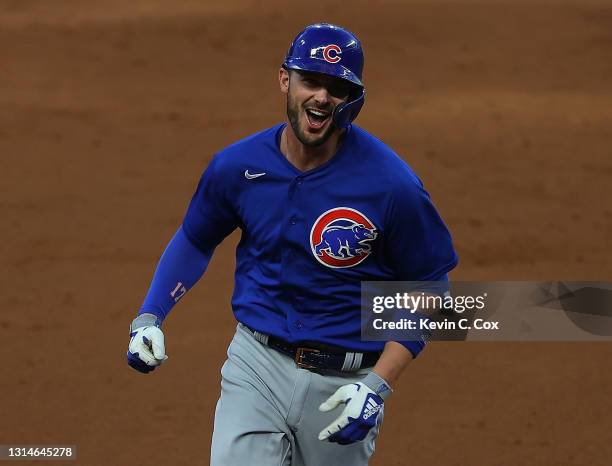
283,80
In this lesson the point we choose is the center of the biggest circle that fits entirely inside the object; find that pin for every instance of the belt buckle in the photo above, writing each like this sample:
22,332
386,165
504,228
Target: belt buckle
299,355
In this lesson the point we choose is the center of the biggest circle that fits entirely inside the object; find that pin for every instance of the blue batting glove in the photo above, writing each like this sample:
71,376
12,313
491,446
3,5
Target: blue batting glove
364,402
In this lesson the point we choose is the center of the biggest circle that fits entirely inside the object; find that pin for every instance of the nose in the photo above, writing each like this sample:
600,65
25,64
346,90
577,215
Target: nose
322,96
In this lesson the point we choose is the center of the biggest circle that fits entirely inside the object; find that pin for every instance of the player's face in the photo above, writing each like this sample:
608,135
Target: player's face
311,100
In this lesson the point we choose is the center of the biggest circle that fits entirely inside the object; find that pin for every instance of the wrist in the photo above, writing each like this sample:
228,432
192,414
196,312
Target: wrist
377,384
145,320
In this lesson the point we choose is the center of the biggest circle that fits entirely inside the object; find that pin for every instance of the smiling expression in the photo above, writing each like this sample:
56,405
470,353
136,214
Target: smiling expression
311,100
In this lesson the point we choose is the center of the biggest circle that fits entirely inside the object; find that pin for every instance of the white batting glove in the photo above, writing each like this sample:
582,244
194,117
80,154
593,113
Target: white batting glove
147,348
364,401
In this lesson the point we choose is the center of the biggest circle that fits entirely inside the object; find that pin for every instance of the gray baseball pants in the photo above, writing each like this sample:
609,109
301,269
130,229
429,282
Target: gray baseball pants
268,413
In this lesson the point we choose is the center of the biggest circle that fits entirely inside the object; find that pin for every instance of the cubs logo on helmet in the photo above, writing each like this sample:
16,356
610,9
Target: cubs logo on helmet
341,237
330,53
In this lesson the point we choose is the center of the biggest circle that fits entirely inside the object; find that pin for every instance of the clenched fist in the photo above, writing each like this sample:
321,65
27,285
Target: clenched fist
146,350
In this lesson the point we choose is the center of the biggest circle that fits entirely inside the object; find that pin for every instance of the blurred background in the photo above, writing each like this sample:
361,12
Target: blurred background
109,112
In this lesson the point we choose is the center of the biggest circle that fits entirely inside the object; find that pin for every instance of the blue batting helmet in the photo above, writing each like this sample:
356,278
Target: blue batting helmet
334,51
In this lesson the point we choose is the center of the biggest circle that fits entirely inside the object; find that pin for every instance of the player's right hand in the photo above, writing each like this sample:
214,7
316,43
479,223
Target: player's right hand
147,349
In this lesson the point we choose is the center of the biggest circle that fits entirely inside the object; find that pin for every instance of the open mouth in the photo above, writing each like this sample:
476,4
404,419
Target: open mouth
316,118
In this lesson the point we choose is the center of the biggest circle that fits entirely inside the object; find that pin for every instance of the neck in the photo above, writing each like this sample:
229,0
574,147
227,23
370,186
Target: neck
307,157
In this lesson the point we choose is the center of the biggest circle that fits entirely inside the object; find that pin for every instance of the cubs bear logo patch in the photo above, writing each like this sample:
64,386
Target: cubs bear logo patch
340,237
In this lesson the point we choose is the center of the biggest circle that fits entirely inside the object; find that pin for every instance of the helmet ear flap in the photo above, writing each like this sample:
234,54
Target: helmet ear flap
346,112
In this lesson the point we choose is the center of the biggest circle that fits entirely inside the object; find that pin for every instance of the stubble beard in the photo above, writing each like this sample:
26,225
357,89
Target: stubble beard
293,113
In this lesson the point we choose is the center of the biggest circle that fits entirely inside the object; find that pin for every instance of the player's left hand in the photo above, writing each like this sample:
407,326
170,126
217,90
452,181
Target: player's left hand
363,406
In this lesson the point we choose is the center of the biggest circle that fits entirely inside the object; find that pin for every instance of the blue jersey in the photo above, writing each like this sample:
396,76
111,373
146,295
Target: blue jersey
310,238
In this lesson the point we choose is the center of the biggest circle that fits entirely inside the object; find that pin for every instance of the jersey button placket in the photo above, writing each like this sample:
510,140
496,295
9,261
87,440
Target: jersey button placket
297,182
291,263
288,256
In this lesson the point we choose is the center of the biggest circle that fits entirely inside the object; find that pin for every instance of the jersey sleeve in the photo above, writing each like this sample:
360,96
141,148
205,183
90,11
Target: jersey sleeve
419,245
180,267
211,215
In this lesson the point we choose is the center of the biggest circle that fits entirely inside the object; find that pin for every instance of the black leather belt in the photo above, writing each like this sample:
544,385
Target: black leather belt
314,356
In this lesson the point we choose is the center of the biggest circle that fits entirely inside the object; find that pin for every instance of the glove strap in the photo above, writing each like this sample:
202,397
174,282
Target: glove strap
145,320
377,384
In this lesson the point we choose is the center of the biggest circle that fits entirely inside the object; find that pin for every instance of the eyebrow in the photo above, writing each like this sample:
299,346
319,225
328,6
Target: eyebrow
322,78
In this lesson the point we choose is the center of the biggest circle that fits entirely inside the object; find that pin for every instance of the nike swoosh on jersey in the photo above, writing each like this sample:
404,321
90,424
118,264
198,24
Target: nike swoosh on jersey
250,176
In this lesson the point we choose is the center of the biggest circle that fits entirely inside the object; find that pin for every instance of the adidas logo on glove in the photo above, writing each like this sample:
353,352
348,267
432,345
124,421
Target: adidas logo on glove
371,408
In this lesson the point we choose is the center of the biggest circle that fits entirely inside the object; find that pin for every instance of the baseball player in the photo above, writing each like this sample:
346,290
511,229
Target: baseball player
322,206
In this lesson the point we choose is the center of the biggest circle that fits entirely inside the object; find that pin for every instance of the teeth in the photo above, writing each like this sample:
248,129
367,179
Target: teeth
317,112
